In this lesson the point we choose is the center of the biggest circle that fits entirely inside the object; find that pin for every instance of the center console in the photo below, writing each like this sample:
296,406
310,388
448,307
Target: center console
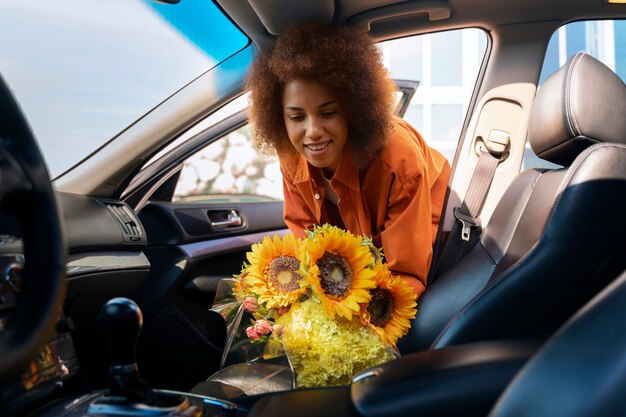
127,394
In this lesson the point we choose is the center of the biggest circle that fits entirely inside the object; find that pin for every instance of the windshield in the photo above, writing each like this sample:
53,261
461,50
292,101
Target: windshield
83,70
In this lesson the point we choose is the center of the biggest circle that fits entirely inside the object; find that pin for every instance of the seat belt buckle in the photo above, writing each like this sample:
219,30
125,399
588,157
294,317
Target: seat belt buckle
467,223
497,144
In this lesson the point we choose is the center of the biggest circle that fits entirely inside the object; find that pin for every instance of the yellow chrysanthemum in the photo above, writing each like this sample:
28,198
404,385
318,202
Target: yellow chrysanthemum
325,351
272,275
338,271
390,309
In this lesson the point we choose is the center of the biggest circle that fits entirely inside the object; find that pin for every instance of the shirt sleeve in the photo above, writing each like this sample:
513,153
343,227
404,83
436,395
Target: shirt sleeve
407,236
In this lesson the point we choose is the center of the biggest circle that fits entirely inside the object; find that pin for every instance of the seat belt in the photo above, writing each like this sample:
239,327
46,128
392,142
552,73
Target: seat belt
467,230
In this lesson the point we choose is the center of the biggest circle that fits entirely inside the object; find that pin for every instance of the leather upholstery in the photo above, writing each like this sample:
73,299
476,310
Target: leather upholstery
454,381
460,284
579,105
554,239
582,238
580,371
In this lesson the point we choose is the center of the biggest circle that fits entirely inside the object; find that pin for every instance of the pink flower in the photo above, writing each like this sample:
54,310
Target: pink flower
263,326
250,304
252,334
260,329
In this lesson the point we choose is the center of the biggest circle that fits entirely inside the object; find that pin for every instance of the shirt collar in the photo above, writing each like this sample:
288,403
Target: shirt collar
347,173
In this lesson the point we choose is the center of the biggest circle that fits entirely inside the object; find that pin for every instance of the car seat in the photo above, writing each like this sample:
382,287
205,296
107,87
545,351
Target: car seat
580,371
556,236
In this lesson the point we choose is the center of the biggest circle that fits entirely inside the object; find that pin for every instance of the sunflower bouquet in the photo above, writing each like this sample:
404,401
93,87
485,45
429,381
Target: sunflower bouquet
327,301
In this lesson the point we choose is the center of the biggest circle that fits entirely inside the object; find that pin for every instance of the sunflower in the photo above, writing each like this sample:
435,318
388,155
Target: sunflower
338,271
390,309
272,275
376,253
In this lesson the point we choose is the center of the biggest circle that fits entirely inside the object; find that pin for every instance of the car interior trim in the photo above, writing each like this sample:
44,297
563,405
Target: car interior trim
223,245
87,263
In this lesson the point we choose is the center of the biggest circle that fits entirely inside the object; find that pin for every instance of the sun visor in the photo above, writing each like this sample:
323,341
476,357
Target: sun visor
277,15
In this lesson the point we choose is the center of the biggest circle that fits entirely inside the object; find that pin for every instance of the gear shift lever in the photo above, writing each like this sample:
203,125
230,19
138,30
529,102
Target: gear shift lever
121,321
128,395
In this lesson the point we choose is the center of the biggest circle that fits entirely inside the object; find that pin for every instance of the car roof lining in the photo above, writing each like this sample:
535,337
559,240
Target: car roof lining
261,20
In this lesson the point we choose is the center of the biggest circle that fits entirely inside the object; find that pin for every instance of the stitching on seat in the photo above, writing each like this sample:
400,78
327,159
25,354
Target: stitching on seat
576,165
566,179
568,111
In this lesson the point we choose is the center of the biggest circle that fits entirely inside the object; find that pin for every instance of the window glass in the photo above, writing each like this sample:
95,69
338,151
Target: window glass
84,70
619,38
230,169
602,39
406,57
415,115
551,61
446,64
576,39
447,58
446,119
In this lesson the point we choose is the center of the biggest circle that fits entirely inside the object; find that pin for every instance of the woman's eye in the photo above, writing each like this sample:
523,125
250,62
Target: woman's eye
295,117
328,113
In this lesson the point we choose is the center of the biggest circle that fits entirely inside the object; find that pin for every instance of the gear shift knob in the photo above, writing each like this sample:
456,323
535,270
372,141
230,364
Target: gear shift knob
121,320
129,395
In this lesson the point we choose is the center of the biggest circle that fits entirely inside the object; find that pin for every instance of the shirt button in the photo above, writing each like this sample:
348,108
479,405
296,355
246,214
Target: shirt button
317,196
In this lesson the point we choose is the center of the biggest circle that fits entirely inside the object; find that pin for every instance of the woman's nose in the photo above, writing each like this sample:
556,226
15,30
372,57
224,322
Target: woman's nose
314,128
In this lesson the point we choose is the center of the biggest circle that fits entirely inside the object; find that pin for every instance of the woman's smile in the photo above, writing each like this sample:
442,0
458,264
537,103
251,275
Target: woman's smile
315,147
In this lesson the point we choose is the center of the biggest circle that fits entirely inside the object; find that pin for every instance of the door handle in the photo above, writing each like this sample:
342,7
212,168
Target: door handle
233,219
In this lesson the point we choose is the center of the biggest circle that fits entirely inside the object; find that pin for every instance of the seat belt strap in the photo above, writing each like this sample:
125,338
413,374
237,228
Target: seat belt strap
466,231
468,213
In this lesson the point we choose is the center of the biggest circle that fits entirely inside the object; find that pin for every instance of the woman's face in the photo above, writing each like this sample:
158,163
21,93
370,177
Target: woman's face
316,123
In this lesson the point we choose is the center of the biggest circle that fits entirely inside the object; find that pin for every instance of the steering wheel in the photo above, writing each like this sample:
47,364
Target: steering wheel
26,195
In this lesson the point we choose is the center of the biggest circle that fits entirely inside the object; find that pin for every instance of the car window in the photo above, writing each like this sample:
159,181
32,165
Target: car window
230,169
83,70
445,65
602,39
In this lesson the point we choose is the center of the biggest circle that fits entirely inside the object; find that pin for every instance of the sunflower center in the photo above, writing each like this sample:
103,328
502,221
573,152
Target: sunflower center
282,272
380,307
335,274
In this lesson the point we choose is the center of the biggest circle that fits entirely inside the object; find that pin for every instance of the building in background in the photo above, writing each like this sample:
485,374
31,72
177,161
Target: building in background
602,39
446,64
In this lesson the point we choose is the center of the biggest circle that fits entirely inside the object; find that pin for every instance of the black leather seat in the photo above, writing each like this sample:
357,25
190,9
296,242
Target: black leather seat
581,370
557,236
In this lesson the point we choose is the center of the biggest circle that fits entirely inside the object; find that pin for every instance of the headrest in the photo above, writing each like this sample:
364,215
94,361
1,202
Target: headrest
583,103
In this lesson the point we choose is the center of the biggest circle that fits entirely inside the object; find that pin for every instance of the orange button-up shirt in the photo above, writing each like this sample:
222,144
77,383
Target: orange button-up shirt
397,200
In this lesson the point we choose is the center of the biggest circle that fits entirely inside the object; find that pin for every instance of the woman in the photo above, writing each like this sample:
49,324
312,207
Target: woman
322,99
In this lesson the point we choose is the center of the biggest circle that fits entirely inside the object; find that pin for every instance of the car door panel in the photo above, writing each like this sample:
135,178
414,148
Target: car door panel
182,223
192,247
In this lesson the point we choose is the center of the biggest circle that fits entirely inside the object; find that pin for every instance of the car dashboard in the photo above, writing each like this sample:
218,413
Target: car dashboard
105,258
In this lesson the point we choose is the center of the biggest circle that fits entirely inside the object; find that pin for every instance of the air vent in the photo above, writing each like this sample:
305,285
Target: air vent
125,217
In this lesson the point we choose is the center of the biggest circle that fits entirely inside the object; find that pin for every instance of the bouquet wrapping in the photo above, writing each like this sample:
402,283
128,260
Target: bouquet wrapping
327,304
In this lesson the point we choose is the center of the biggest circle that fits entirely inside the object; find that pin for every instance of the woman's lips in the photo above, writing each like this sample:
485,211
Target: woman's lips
317,147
